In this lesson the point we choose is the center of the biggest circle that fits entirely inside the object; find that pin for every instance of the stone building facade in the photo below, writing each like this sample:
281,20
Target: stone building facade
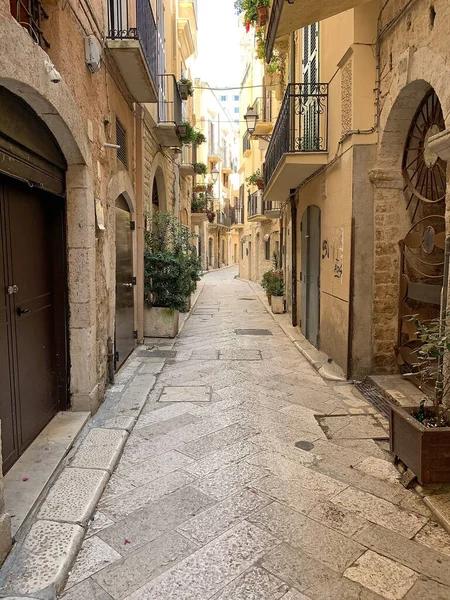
82,132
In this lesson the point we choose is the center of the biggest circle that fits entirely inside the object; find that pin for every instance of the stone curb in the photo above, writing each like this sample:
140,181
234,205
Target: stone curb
106,450
315,357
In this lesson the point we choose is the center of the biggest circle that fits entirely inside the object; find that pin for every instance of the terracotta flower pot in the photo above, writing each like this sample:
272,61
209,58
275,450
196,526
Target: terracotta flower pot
263,14
260,184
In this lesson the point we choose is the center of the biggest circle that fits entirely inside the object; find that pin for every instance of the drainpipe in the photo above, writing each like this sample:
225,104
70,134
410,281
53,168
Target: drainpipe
443,320
294,256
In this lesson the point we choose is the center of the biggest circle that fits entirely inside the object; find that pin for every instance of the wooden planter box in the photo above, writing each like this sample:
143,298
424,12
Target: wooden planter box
277,305
426,452
161,322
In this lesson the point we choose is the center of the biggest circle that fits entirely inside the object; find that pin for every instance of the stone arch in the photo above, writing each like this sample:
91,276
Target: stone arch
157,176
120,184
416,73
23,73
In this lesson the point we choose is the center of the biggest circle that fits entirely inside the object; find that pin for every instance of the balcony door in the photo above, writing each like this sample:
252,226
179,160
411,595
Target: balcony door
309,135
310,274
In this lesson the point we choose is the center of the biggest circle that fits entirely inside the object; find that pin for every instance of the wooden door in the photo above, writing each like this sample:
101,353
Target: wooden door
310,275
32,314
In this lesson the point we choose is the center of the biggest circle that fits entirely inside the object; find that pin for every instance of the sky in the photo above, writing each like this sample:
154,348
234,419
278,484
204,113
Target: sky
218,61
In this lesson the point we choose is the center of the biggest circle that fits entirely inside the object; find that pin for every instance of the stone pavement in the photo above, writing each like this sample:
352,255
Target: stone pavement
248,477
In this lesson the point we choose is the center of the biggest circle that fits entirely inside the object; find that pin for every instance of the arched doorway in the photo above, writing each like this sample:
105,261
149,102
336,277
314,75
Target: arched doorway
159,191
310,281
410,185
33,277
125,337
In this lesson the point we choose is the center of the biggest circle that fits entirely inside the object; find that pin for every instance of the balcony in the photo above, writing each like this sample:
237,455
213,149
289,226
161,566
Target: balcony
223,218
298,146
255,207
272,209
287,17
187,27
131,42
170,111
237,217
263,108
187,160
214,152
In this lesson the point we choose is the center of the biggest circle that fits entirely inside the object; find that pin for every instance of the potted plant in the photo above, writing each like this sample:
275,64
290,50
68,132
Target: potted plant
198,204
210,189
171,272
199,137
200,168
263,12
188,134
249,9
276,289
420,436
265,283
200,187
211,216
185,87
255,179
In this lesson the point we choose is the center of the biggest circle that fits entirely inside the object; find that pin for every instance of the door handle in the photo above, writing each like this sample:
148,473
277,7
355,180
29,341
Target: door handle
128,285
23,311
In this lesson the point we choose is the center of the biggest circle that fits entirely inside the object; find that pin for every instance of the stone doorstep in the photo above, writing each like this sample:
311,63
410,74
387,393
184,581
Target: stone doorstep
400,392
66,529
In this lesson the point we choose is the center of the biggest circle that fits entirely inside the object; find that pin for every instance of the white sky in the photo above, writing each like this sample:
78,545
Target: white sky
218,60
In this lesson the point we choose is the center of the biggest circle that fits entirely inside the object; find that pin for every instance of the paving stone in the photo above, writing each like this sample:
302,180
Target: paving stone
338,518
353,427
289,492
214,521
74,495
153,468
116,486
119,507
126,423
254,584
207,426
313,578
100,449
138,449
416,556
226,481
211,568
86,590
348,456
45,557
94,555
380,512
434,536
382,575
427,590
205,354
162,414
199,393
294,595
240,355
156,430
129,574
146,524
221,459
331,548
151,367
378,468
98,522
215,441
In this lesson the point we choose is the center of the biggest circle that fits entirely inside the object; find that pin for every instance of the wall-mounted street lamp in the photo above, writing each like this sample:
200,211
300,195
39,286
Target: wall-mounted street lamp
214,174
251,118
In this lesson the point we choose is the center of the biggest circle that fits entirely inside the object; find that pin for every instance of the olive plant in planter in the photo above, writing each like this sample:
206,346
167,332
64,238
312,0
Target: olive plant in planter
171,272
420,436
276,288
255,178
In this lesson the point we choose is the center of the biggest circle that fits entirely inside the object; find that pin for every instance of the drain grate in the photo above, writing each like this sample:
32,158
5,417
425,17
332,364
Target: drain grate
252,332
374,396
303,445
251,299
164,353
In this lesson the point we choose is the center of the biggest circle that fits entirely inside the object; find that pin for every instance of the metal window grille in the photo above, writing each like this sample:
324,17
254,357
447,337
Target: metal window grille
267,249
121,140
30,14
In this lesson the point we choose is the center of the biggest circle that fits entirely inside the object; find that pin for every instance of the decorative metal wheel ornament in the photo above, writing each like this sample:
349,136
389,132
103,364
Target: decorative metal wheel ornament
423,171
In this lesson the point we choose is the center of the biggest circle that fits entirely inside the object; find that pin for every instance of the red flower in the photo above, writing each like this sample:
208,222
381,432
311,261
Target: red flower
247,26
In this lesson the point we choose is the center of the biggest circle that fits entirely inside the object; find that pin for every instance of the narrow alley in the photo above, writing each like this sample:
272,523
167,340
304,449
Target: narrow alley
248,477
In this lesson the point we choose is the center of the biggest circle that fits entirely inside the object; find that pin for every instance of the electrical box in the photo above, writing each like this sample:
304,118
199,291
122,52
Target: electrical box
92,53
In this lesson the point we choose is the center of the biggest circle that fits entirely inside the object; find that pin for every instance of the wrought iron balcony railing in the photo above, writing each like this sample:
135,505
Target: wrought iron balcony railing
223,219
170,104
144,29
301,126
263,108
246,142
237,215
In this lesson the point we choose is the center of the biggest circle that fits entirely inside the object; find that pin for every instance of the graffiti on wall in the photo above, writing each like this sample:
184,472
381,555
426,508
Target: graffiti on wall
338,251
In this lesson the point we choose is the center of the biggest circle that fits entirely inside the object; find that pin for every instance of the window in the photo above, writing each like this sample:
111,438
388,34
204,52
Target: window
223,98
236,98
267,249
310,70
121,140
236,109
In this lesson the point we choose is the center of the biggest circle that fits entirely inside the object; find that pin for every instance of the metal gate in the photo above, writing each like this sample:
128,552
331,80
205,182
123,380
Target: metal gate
310,274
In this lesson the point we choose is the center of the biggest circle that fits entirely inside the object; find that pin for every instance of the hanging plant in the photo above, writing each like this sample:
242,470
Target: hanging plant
200,168
249,9
185,87
255,178
199,138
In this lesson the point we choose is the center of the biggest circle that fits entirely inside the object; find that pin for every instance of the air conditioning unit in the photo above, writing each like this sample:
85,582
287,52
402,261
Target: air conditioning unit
92,53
